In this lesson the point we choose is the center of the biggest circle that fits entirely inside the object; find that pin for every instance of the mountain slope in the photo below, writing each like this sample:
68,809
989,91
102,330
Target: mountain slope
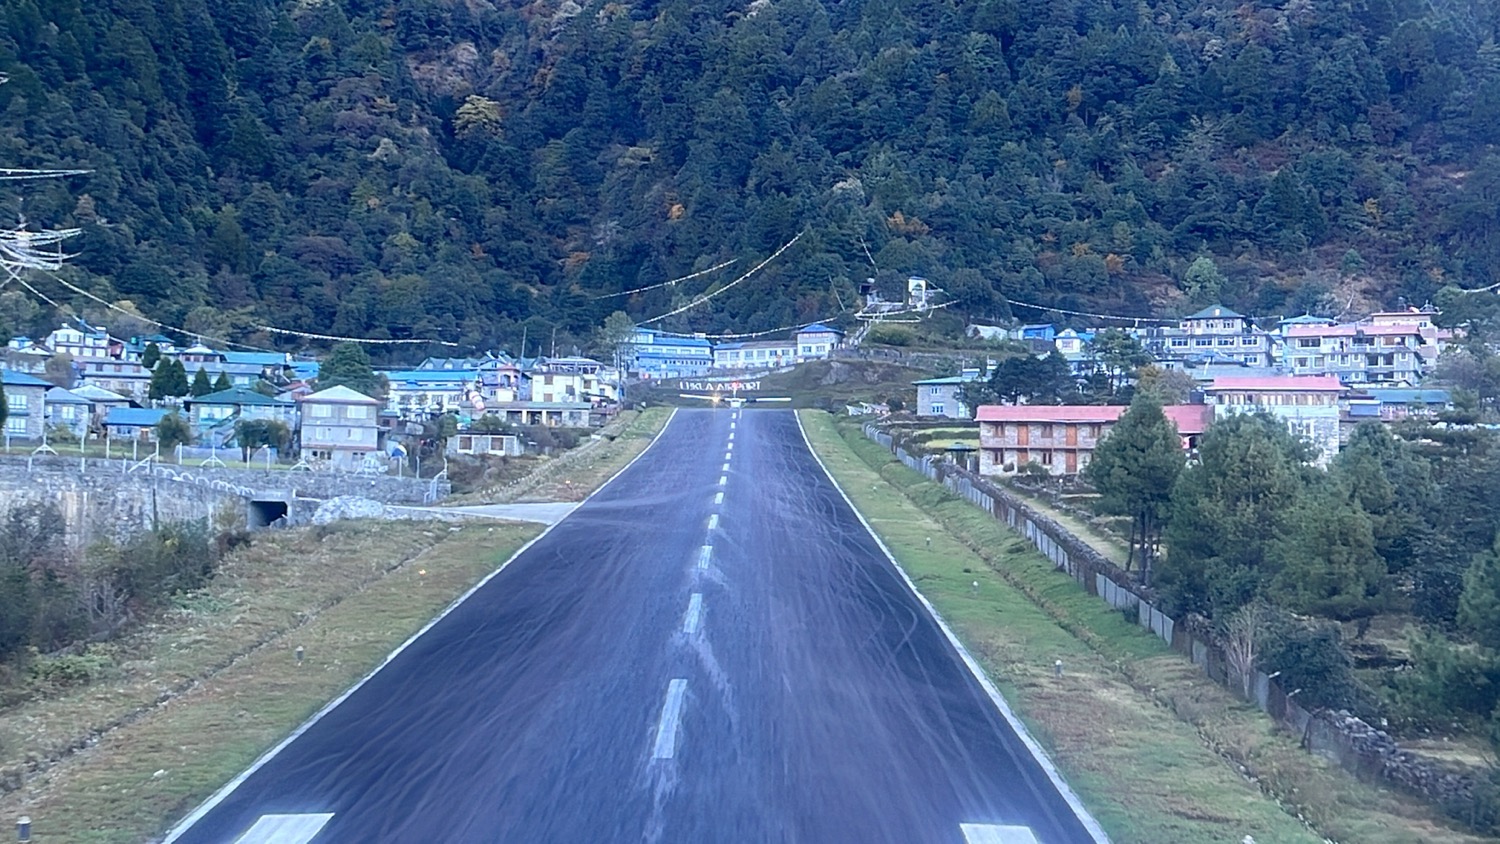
473,171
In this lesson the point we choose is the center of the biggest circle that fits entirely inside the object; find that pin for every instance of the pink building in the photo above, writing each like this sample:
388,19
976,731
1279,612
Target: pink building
1063,439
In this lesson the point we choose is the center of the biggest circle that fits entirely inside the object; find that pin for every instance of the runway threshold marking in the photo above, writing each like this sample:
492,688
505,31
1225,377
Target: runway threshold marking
713,521
671,715
694,614
984,833
703,555
284,829
719,496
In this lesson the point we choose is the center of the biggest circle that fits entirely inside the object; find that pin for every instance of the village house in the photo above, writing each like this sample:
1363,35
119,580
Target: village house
817,341
123,377
1062,439
215,415
1357,353
939,397
25,397
755,354
474,443
425,393
339,426
68,411
83,343
657,354
570,380
1215,334
132,423
1308,404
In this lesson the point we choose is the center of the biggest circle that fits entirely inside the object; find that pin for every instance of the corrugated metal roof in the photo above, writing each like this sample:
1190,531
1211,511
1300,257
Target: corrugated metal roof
134,417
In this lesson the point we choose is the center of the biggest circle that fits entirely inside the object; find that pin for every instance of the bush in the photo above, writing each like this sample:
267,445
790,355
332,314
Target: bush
1311,659
72,669
891,335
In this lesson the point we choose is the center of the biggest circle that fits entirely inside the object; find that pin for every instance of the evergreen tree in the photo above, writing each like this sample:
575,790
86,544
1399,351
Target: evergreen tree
168,380
173,430
1228,513
201,386
150,356
1479,606
1134,469
348,365
222,383
4,408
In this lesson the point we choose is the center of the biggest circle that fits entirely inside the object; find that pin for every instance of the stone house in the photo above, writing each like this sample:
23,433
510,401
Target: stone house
339,426
25,397
1308,404
66,410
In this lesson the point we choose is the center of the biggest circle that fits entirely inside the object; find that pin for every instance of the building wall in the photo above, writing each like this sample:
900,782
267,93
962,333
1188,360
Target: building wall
941,400
1064,448
340,433
27,411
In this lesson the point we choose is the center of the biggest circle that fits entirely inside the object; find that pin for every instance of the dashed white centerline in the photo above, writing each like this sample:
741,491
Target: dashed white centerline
728,455
671,714
731,426
694,614
723,479
731,436
704,554
719,496
731,447
725,467
713,521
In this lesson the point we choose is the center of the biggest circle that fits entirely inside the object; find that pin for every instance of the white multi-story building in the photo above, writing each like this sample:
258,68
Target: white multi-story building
1213,335
1308,404
755,354
1357,353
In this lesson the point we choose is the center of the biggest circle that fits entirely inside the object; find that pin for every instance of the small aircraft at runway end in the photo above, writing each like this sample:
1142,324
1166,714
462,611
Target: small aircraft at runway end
734,399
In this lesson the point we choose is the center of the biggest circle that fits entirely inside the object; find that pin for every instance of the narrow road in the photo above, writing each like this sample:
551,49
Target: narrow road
711,649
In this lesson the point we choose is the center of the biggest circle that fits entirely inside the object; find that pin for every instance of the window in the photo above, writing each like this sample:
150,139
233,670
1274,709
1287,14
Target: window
1309,343
1178,342
937,408
17,402
357,412
1226,341
321,411
934,391
1203,342
15,425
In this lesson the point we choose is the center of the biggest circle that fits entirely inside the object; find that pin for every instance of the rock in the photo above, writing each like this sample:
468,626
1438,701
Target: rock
347,507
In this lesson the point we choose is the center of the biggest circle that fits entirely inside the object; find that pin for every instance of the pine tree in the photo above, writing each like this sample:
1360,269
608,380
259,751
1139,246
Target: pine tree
201,385
222,382
348,365
151,356
4,408
1479,608
1134,469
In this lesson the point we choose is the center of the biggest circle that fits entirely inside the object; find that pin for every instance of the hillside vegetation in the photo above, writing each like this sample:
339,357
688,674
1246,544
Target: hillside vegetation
473,170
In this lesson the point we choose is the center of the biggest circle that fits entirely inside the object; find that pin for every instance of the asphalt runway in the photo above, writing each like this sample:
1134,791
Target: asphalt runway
711,649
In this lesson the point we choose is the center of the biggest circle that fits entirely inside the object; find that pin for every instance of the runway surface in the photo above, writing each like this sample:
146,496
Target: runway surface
711,649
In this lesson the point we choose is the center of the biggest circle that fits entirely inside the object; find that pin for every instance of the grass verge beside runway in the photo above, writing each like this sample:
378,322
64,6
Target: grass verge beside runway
225,664
197,696
1157,752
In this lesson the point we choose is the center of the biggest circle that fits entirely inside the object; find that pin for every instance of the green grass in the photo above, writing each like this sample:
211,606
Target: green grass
1157,751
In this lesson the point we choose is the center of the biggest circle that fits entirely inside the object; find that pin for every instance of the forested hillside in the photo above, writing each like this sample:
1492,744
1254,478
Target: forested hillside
461,169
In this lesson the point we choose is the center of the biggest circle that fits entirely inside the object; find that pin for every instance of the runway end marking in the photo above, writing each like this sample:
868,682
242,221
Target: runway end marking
713,521
703,554
694,614
985,833
719,496
723,479
671,715
284,829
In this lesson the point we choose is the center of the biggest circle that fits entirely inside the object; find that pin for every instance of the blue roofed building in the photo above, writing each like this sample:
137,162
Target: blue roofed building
125,423
657,354
817,341
425,393
215,415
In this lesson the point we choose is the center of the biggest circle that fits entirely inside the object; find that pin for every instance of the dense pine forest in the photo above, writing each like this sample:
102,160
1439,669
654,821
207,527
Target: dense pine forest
472,170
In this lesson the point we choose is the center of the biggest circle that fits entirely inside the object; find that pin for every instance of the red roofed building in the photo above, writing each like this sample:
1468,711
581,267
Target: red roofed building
1062,439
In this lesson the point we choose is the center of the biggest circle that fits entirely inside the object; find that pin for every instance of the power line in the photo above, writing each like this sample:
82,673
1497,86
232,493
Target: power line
368,340
1135,319
666,283
707,296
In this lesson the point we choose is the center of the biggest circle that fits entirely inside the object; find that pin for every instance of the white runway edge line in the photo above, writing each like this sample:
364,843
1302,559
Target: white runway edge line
219,796
671,714
694,614
704,554
1040,755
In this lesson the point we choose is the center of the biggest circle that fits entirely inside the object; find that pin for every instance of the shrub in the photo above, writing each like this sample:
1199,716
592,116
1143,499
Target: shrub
891,335
72,669
1311,659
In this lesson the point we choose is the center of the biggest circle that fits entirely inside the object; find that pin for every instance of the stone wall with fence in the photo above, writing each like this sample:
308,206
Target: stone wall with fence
1351,742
